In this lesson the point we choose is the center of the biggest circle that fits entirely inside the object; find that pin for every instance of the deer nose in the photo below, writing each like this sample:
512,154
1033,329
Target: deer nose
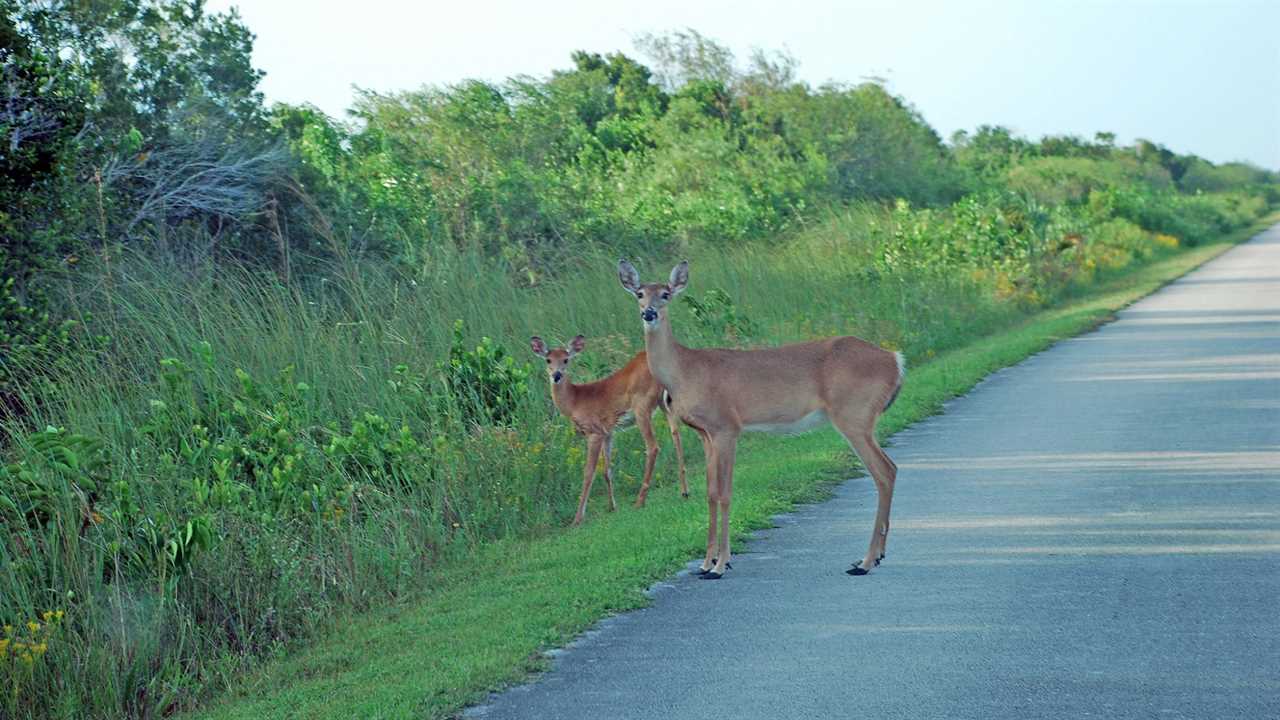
557,375
649,314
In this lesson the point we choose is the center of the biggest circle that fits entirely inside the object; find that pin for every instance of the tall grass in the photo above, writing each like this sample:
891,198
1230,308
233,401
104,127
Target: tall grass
238,459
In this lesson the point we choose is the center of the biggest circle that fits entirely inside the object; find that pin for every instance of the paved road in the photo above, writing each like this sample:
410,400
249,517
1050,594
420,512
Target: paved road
1092,533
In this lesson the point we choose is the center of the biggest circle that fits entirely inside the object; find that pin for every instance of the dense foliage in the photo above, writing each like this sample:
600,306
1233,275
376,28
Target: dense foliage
259,365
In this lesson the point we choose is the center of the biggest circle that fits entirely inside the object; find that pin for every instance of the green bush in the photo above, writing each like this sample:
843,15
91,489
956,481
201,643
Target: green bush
1193,219
32,342
719,319
487,383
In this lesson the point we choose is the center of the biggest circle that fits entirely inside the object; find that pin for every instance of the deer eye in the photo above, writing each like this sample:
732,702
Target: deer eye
548,361
666,295
640,294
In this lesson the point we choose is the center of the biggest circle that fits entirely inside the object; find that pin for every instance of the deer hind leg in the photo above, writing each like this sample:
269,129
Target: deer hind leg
644,421
726,447
608,470
594,443
861,437
892,472
673,422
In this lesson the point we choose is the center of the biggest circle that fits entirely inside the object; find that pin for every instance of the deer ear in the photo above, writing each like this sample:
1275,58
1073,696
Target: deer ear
539,347
628,276
679,279
577,344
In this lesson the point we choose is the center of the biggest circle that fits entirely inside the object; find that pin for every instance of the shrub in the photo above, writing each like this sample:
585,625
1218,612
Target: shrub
486,383
720,320
32,343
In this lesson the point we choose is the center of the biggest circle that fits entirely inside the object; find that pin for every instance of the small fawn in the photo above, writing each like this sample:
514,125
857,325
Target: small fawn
596,409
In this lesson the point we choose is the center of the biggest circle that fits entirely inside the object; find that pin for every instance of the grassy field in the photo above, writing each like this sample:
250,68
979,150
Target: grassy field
487,619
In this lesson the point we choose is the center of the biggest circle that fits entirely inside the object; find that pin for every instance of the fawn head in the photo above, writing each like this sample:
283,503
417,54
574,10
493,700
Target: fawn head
557,358
653,297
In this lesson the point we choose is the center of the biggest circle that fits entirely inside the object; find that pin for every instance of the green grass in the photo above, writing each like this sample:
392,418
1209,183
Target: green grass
488,618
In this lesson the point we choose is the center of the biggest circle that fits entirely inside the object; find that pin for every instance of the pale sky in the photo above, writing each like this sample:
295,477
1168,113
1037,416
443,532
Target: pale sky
1200,77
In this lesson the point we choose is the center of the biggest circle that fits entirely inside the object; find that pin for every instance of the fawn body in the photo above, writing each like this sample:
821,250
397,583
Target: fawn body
596,409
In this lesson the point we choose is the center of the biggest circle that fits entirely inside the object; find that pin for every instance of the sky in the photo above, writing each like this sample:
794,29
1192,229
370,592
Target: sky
1200,77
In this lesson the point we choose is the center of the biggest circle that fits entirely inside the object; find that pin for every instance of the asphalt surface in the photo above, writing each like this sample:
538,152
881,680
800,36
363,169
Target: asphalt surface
1094,532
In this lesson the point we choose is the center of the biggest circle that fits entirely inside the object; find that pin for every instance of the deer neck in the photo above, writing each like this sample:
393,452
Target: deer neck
663,354
563,396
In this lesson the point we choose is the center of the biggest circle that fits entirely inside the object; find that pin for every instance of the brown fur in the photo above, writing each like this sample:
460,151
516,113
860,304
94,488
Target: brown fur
596,408
722,392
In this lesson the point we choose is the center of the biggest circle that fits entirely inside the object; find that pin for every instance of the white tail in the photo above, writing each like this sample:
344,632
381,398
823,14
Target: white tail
597,409
901,361
720,393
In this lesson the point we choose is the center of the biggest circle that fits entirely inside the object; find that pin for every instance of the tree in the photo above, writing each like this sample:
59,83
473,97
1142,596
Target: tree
687,55
991,150
42,115
159,66
1177,165
171,125
633,89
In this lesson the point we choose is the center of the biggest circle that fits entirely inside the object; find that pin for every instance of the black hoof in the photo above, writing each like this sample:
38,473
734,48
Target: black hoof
711,574
684,495
857,569
704,571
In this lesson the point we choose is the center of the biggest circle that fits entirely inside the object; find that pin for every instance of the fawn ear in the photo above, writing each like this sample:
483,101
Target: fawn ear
679,279
628,276
539,347
576,345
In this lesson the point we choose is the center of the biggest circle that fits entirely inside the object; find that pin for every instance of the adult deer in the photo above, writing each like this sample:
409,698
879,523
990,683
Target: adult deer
787,389
597,408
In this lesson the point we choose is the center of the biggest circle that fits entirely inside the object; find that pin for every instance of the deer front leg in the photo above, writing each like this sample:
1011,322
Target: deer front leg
594,443
713,506
726,451
644,421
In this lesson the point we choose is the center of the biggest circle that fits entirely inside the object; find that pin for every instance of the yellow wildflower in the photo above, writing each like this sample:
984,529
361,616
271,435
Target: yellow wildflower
4,647
33,626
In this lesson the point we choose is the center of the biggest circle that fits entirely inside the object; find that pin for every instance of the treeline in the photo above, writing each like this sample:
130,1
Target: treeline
139,124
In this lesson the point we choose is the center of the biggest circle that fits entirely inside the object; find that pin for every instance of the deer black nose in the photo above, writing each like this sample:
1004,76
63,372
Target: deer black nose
557,375
649,314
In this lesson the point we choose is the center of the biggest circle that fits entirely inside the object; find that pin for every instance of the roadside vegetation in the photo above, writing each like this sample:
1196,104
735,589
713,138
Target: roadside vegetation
261,368
485,621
